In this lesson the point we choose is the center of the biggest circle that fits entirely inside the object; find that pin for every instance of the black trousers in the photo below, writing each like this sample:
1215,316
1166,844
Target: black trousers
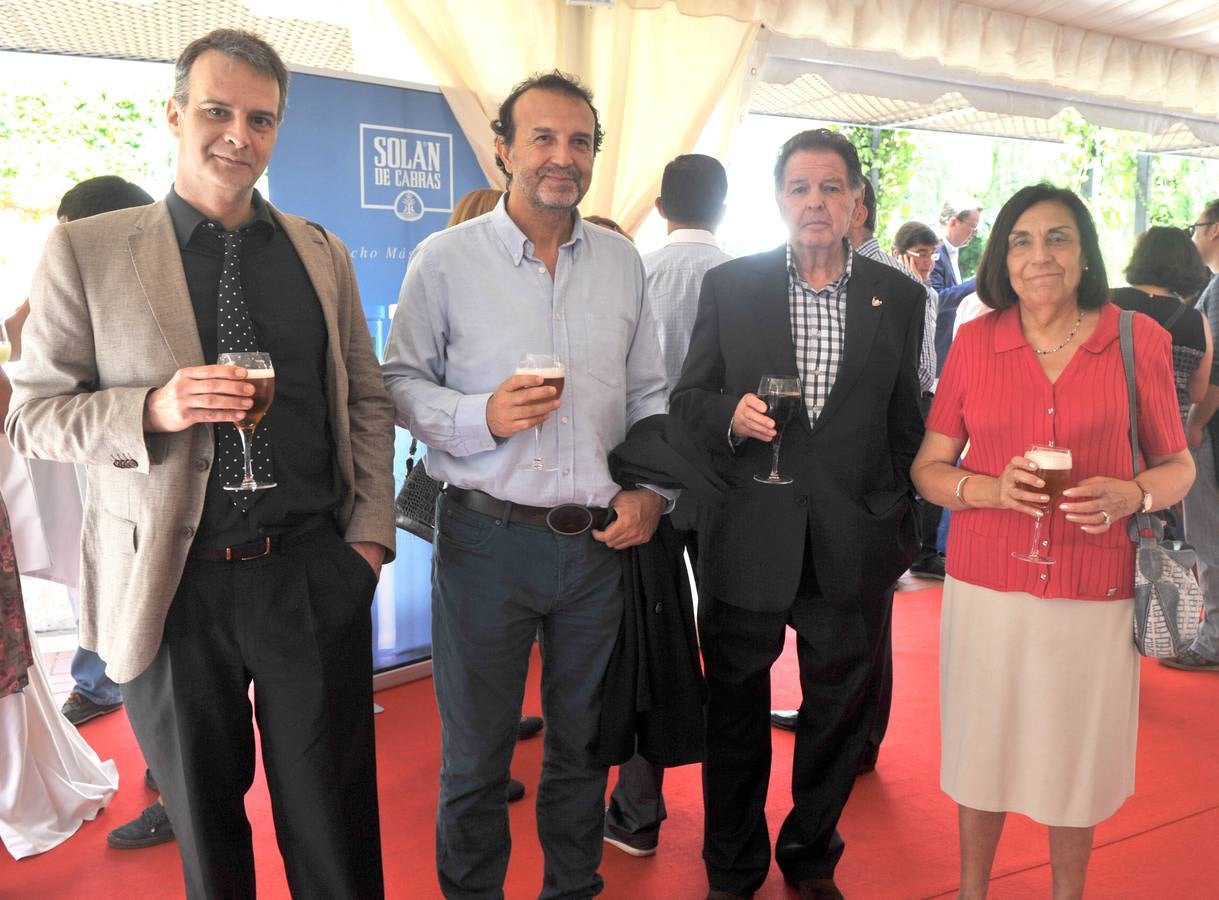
297,625
929,514
839,648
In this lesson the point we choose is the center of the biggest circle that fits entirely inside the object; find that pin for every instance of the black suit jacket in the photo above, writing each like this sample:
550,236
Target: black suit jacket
852,496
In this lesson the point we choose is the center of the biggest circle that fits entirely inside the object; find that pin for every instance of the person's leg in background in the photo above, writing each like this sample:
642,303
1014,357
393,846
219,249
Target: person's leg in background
93,693
1201,506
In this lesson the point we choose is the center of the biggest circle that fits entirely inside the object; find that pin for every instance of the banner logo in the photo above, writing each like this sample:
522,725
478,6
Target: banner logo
406,170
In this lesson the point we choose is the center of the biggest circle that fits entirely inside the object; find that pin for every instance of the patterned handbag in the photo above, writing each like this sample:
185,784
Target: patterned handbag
415,505
1167,599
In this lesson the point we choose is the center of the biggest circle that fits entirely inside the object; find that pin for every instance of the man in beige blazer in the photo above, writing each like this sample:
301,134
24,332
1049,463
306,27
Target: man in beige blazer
191,592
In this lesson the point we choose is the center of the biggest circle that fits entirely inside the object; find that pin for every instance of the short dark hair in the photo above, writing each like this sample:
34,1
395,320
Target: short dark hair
94,196
820,139
693,188
243,45
554,81
911,234
994,281
1166,258
869,205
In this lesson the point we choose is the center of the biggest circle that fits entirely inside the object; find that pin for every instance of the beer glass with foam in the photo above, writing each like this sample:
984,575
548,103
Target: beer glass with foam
553,374
261,374
1054,468
783,398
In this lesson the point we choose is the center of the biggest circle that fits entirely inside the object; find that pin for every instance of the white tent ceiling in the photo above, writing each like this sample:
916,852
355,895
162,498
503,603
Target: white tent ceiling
922,78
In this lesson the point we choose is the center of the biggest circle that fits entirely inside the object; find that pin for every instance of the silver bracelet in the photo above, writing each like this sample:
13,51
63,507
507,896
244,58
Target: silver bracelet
960,485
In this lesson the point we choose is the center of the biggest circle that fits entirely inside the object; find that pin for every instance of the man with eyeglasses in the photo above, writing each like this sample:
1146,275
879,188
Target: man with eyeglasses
1202,430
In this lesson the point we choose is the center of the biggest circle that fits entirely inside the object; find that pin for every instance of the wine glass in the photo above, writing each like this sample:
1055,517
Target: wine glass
553,374
783,397
261,374
1054,468
6,347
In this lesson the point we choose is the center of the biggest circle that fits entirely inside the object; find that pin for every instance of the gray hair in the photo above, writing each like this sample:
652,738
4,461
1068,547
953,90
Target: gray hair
243,45
958,209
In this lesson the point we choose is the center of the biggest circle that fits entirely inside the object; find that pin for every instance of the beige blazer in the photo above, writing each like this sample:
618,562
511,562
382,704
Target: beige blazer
111,320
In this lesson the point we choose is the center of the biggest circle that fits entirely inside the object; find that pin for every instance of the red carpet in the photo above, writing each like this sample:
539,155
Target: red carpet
900,830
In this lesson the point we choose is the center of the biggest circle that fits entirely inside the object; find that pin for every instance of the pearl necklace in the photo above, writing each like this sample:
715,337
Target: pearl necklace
1070,336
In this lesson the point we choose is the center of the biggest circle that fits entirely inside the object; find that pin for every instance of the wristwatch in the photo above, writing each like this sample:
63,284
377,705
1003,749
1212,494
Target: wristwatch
1146,506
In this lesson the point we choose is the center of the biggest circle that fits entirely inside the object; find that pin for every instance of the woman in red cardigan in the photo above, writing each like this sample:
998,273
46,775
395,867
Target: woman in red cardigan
1038,671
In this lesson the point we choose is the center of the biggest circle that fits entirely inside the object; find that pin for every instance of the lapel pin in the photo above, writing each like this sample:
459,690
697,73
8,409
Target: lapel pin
876,301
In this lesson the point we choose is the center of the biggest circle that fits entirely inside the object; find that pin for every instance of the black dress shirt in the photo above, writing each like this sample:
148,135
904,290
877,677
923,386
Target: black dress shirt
287,319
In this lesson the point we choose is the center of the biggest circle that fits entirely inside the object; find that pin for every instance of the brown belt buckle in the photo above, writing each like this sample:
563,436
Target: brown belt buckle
266,551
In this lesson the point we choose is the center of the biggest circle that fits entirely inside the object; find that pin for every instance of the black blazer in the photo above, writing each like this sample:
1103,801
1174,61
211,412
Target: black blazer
852,496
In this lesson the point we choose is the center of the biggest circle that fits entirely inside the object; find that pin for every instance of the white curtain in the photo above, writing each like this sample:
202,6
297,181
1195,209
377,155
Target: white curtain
657,76
1106,50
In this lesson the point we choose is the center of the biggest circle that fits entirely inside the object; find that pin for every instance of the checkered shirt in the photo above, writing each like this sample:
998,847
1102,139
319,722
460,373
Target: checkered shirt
819,320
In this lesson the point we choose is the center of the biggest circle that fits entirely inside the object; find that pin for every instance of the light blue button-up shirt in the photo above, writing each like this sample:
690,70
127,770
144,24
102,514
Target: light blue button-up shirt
474,300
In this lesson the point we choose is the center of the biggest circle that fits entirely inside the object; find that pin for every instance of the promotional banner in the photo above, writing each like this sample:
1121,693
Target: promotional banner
381,166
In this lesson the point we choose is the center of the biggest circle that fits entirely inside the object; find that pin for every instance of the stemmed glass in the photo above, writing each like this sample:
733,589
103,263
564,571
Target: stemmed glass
261,374
1054,468
783,397
553,374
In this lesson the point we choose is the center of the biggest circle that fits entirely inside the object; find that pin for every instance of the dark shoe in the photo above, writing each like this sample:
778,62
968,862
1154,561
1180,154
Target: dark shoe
530,725
819,889
516,790
867,762
150,828
929,567
727,895
1190,661
784,718
630,844
79,709
150,782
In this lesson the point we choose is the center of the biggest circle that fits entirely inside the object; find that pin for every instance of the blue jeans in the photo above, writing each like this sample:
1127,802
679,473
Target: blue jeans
492,586
89,673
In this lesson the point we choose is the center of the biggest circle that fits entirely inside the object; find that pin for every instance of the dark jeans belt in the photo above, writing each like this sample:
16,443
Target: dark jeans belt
481,502
263,547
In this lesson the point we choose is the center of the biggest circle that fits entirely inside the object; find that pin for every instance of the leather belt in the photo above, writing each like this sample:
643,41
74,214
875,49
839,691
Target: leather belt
482,502
259,549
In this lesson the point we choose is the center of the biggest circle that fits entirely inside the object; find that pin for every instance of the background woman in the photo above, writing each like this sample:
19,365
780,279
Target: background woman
1166,274
1038,673
915,244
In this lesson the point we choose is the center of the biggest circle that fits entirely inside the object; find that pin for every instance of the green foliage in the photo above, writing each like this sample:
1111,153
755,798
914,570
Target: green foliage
54,139
895,160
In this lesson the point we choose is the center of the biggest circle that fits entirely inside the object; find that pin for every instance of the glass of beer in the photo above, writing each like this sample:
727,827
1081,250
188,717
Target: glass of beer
1054,468
261,375
783,398
550,368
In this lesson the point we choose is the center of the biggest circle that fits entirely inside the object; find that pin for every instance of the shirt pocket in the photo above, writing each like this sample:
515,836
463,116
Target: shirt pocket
605,348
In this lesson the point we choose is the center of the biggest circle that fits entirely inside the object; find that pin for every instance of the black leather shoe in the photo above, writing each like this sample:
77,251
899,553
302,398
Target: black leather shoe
149,828
819,889
784,718
530,725
929,567
516,790
727,895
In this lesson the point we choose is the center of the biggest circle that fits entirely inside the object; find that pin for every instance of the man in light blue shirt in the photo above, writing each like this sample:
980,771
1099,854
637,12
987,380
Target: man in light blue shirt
528,277
692,192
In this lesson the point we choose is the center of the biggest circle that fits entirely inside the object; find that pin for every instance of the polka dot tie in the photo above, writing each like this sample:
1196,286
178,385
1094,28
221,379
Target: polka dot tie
235,334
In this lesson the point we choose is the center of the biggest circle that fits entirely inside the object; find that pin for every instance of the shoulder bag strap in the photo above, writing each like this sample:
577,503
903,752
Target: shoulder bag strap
1177,313
1139,522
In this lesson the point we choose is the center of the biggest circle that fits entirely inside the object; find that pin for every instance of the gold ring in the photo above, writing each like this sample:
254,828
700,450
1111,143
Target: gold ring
1108,519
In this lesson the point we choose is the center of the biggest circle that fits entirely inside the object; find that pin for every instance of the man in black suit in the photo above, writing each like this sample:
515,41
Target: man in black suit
820,554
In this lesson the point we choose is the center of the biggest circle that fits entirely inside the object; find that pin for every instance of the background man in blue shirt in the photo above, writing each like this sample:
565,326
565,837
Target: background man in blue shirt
528,277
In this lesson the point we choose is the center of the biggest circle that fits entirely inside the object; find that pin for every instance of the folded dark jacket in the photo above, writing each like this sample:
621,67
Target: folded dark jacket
654,691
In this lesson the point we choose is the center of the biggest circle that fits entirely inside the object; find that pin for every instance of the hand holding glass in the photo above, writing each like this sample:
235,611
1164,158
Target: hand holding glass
1054,468
261,374
550,368
783,397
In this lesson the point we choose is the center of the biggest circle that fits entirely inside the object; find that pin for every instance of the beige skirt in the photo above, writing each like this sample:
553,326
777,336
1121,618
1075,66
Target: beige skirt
1039,704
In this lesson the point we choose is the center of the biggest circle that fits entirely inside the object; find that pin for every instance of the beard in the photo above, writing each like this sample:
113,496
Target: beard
546,194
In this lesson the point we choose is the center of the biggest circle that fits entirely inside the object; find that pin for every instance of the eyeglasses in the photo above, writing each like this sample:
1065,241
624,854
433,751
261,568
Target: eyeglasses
932,255
1190,229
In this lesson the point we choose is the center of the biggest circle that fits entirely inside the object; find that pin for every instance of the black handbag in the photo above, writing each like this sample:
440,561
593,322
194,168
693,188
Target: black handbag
1167,598
415,505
